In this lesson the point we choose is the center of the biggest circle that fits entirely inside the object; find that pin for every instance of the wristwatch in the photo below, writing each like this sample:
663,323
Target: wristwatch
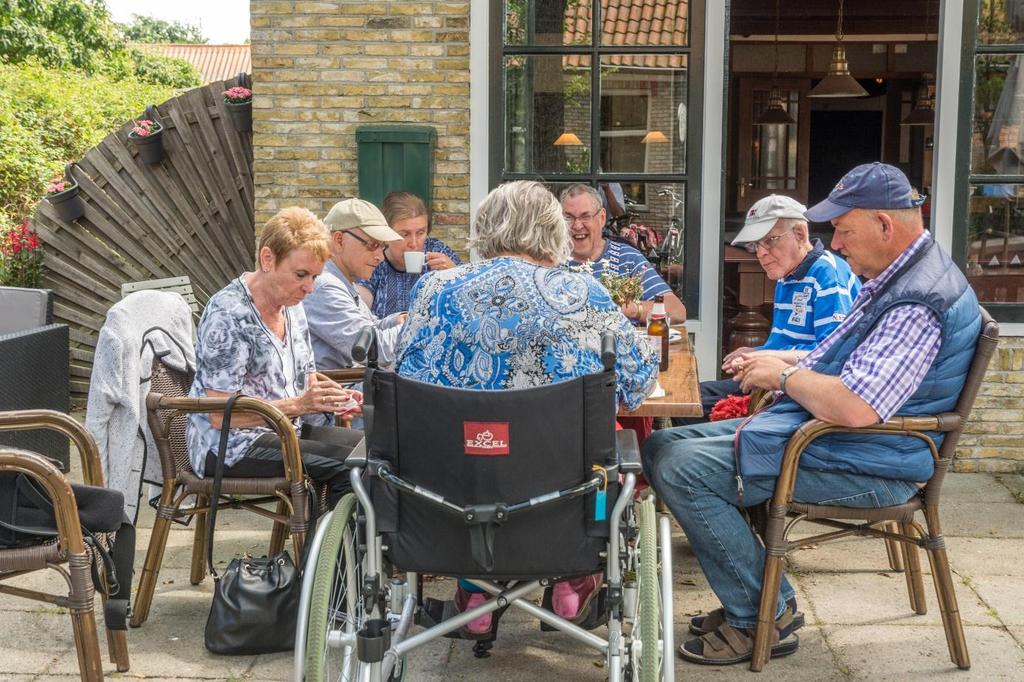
785,375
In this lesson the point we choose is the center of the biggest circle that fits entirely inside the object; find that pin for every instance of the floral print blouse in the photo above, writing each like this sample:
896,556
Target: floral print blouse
506,323
237,353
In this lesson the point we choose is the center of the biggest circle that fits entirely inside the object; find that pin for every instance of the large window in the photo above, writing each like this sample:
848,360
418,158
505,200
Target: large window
989,243
571,104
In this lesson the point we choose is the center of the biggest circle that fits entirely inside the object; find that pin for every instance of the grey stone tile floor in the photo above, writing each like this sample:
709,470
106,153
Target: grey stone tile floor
859,624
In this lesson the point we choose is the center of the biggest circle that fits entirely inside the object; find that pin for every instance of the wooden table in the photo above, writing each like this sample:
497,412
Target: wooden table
682,389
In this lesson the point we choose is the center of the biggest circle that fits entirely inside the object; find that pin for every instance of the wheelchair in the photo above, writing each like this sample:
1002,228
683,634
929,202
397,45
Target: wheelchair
511,490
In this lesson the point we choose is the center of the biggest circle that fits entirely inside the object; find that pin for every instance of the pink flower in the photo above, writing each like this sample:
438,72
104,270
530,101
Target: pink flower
56,185
237,95
145,128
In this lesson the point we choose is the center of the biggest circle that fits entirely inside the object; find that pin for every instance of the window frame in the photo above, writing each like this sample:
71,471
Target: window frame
691,178
964,177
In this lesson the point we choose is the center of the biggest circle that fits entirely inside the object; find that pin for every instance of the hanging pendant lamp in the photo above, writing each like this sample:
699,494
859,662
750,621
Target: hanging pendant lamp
775,113
838,82
923,113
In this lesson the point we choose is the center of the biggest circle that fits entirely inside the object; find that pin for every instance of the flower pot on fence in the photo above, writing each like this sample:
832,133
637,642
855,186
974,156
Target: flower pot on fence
241,116
151,147
68,204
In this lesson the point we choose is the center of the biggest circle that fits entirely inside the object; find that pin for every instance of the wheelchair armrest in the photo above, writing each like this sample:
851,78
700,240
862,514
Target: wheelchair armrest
629,451
357,458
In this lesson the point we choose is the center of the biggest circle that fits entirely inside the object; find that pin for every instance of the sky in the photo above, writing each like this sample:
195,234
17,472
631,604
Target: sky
221,21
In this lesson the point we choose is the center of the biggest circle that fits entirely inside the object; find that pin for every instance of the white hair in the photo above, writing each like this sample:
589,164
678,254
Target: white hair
579,188
522,217
791,223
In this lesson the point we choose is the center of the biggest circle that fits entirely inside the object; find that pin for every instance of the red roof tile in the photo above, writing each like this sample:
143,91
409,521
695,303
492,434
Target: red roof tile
630,23
214,62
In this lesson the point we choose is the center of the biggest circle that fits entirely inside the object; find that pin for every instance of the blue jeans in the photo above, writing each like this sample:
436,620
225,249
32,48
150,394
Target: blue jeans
693,470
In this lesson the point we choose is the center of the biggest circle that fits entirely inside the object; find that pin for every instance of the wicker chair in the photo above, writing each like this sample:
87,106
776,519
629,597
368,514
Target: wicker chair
69,547
879,522
34,366
167,409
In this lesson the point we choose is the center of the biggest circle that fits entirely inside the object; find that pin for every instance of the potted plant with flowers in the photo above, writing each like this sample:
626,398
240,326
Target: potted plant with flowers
21,257
239,103
62,193
147,135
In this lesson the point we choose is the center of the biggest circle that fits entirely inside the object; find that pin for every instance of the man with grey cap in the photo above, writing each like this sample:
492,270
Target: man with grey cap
335,311
814,289
903,349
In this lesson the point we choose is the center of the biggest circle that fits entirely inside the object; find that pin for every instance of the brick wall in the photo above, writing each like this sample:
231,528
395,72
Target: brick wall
994,437
320,69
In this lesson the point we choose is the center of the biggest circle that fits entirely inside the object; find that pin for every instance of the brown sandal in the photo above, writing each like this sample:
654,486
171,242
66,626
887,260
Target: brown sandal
709,622
728,645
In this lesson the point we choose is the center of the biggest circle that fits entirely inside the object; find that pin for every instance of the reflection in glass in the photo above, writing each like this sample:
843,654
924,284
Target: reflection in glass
643,113
1000,22
996,145
547,97
773,162
995,243
569,22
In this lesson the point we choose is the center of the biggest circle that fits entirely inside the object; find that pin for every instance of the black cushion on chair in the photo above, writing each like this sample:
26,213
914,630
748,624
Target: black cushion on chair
535,441
24,504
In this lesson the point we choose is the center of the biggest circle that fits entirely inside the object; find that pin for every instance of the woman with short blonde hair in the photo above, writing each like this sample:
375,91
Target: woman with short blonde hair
253,339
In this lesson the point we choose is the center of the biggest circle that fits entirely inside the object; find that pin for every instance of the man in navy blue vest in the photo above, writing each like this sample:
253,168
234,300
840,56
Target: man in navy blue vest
904,348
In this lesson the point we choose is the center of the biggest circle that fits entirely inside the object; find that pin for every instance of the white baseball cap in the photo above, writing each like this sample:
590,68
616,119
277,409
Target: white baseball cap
763,215
359,213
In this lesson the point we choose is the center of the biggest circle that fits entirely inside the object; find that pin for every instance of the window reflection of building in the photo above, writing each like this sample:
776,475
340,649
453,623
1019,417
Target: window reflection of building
631,127
995,234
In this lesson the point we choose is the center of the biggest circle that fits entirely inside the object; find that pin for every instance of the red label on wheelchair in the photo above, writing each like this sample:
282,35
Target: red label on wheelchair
486,438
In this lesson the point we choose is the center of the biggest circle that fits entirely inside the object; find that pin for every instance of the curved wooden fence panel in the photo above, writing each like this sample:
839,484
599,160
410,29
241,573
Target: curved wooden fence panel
189,214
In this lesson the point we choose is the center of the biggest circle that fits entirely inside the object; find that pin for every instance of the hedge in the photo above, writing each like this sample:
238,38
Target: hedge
49,118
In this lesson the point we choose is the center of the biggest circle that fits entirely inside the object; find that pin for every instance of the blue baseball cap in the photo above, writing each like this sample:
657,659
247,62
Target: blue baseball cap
870,185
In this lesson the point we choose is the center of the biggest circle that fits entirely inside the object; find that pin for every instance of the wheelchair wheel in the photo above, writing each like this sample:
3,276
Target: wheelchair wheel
336,611
647,628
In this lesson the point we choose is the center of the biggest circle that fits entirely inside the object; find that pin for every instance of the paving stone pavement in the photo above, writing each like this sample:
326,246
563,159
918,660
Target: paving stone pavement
859,624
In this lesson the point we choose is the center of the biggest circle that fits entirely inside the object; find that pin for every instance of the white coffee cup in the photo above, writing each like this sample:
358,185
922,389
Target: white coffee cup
414,261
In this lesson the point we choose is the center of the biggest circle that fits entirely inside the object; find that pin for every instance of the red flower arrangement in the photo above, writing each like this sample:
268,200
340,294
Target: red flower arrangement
21,257
730,407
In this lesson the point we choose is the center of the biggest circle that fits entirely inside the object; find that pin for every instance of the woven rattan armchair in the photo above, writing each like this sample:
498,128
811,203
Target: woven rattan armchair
167,413
34,366
69,547
879,522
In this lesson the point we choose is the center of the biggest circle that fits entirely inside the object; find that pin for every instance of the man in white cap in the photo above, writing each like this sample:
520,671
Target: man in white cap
335,311
814,288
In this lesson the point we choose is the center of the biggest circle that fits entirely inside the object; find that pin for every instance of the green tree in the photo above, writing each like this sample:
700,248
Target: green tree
60,33
152,30
79,34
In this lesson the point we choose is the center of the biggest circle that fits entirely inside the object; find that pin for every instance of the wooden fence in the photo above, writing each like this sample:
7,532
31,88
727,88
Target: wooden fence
189,214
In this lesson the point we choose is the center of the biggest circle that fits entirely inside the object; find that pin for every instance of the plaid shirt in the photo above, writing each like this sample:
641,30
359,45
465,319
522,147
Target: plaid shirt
891,362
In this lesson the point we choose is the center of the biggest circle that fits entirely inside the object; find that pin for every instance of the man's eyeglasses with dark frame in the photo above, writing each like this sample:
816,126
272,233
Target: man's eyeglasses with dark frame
368,244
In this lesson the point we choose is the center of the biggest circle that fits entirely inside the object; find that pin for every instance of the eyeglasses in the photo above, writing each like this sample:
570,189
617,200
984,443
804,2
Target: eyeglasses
369,244
584,219
768,243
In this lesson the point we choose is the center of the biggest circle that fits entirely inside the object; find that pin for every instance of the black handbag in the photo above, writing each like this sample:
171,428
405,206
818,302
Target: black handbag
256,600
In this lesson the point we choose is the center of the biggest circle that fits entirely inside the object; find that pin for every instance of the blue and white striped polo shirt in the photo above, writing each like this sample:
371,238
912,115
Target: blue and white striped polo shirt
811,301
